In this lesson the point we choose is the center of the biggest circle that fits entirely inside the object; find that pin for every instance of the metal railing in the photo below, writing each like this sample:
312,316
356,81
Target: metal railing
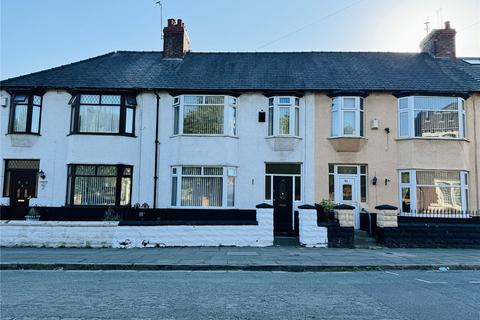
433,213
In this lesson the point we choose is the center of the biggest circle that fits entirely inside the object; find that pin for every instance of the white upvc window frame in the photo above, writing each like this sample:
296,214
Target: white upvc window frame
410,111
412,185
359,112
228,171
230,115
275,104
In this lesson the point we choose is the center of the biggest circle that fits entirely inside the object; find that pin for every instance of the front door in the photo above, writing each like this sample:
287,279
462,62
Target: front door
282,205
348,194
22,189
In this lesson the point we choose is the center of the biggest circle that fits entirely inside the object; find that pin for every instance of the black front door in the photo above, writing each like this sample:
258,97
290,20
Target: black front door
22,188
282,205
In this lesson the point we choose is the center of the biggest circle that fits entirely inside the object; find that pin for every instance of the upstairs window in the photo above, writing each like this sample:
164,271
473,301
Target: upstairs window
25,113
431,117
283,116
347,117
103,114
205,115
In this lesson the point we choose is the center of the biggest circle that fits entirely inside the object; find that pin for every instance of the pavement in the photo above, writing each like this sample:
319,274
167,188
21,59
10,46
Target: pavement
395,295
277,258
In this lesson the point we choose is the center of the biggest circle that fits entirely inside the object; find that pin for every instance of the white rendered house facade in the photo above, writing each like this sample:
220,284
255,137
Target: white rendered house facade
218,133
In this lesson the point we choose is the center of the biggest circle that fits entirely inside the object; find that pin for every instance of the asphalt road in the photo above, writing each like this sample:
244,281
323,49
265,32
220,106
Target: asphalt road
239,295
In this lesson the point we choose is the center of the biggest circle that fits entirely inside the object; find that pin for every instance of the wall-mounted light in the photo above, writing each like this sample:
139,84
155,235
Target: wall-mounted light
387,130
374,181
42,175
261,116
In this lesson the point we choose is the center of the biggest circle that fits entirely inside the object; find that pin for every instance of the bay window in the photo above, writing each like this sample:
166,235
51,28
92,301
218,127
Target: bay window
347,117
431,117
205,115
284,116
426,191
197,186
99,185
103,114
25,113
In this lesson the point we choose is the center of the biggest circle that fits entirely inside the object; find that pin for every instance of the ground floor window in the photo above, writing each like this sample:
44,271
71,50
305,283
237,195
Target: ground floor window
99,185
335,171
203,186
283,169
427,191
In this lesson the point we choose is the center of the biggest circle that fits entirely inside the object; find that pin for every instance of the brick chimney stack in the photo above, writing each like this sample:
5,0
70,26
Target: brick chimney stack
440,42
175,39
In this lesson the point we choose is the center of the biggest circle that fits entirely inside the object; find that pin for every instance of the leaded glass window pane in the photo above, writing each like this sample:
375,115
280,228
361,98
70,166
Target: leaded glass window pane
37,100
106,170
191,170
90,98
111,99
84,170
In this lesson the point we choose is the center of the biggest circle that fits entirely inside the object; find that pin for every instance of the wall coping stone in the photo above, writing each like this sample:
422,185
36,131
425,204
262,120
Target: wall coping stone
264,206
306,206
343,206
386,207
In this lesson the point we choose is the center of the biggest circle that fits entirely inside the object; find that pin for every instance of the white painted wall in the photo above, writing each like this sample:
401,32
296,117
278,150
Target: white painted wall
109,234
248,151
310,234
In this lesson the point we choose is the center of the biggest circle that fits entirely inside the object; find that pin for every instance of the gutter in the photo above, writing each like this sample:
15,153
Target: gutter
157,142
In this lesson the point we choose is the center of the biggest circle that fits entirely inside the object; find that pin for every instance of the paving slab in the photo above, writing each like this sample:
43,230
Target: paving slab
231,258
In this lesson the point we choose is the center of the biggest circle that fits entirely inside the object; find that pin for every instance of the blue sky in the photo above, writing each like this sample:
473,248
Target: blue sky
40,34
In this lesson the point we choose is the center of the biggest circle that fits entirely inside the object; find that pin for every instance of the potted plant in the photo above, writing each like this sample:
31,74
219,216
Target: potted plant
326,210
33,214
111,215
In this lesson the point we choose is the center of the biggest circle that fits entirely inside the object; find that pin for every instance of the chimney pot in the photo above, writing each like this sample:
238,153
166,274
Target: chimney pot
447,24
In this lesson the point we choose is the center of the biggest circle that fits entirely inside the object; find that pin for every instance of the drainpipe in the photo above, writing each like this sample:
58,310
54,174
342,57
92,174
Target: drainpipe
476,147
157,142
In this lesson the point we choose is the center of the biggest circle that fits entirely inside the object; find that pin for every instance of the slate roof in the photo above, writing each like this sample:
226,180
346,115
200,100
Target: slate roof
245,71
471,69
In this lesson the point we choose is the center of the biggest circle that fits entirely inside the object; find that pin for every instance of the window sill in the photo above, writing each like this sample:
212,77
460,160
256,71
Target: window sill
284,136
204,135
433,138
347,144
23,133
101,134
283,143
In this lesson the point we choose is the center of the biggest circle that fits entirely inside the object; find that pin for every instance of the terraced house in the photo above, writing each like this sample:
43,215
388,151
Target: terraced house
181,147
